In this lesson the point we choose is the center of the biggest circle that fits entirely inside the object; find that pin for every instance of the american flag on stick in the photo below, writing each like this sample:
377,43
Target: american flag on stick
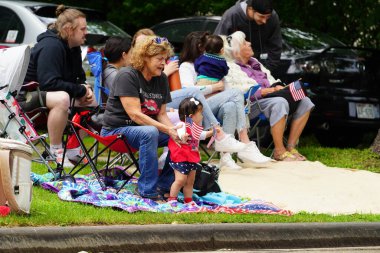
296,90
196,130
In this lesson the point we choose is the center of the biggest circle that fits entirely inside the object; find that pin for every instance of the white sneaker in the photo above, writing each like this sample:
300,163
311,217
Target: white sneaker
229,144
253,154
227,161
75,155
58,154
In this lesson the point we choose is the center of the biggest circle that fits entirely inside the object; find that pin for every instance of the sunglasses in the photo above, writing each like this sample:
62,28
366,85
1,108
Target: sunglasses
159,40
229,39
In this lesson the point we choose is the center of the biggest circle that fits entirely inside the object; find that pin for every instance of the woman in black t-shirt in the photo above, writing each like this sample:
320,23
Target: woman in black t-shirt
136,108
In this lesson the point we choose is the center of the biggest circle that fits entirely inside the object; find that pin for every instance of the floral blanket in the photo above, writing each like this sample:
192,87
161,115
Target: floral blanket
87,190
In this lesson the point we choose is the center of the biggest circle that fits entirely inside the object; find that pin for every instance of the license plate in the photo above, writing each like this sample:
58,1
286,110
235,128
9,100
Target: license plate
367,111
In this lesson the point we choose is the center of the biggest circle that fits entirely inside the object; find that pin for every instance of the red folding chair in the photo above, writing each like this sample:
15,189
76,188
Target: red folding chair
116,143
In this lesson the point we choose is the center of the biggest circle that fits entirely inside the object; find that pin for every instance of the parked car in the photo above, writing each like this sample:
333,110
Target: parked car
344,82
22,21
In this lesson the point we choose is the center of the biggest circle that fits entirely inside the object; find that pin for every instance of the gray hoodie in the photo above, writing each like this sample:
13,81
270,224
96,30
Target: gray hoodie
264,38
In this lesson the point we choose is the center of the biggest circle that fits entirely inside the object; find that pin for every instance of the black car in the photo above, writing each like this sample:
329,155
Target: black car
344,82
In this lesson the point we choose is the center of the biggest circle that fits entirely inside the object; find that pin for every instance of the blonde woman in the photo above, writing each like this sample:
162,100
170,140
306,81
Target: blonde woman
136,108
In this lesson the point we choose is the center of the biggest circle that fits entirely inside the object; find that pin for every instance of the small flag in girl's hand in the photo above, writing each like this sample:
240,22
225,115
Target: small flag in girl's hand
296,90
196,130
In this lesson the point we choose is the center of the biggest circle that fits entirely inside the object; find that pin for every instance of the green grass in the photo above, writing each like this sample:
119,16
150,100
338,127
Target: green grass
48,210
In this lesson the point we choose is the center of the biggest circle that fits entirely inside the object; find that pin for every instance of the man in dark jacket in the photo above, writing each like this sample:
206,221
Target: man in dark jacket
261,25
56,64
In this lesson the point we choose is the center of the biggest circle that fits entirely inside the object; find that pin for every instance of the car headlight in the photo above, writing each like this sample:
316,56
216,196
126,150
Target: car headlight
311,67
298,67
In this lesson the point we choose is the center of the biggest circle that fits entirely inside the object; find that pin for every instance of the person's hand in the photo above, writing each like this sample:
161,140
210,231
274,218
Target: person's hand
171,67
219,86
174,135
278,87
267,91
88,98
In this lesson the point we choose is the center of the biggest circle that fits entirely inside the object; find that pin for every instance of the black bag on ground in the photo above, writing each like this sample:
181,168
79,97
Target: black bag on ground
206,179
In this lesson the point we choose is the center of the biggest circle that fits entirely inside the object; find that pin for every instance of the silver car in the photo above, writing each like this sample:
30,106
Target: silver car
22,21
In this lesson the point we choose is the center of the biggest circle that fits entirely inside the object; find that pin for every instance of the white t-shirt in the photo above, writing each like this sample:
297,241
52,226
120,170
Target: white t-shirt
188,78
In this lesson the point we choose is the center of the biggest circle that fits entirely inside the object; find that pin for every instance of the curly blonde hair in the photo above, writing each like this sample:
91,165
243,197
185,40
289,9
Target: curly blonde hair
149,47
66,20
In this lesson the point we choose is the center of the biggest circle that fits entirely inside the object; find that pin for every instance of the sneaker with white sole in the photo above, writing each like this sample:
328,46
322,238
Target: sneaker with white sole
227,161
75,155
253,154
58,154
229,144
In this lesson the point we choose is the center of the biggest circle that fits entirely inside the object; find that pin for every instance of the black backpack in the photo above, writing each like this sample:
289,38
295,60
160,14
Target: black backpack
206,179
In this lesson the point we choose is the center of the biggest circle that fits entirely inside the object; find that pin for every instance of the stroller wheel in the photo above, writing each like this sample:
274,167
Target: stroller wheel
68,178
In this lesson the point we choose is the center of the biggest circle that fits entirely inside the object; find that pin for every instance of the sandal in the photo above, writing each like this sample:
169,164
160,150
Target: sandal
295,152
164,193
156,198
286,157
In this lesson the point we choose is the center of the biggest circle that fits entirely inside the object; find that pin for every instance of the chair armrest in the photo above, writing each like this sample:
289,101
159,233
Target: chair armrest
31,86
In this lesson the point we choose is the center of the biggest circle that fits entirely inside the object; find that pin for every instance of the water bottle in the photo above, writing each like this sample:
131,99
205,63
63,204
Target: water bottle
174,80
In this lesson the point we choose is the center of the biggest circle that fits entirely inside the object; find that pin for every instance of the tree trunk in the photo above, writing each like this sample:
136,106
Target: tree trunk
376,144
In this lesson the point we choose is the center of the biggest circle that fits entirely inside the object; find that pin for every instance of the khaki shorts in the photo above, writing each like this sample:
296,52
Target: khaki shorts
31,100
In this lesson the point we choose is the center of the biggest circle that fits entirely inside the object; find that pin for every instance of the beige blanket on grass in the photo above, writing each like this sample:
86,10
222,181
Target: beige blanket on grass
306,186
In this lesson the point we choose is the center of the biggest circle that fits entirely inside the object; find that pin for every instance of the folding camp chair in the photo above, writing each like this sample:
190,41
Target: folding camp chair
260,123
115,143
14,123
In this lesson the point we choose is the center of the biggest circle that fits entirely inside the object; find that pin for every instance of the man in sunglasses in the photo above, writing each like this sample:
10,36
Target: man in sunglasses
261,25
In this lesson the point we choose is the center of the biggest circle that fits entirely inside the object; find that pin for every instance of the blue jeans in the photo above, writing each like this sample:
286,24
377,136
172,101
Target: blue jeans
209,118
147,139
228,106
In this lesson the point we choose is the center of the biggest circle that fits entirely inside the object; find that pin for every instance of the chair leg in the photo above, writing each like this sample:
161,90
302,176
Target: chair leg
211,156
90,160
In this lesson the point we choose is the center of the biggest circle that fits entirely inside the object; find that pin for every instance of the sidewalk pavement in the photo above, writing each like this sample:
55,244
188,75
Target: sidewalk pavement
198,237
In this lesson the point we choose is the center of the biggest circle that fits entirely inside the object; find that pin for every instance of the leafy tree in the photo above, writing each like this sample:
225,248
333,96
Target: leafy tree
353,22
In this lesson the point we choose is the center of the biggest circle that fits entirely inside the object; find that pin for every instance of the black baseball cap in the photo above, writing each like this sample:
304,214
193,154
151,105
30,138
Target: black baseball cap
261,6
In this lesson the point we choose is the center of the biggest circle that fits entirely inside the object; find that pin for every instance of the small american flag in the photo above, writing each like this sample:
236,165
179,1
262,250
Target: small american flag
196,130
296,90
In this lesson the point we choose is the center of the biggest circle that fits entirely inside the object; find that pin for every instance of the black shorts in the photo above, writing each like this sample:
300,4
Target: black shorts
31,100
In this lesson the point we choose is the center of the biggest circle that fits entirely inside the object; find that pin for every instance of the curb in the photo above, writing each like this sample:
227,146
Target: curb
199,237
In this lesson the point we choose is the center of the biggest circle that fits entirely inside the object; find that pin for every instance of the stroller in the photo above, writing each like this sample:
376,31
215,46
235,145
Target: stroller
14,123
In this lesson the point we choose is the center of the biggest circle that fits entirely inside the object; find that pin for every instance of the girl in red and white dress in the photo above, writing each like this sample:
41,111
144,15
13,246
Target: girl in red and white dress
184,157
